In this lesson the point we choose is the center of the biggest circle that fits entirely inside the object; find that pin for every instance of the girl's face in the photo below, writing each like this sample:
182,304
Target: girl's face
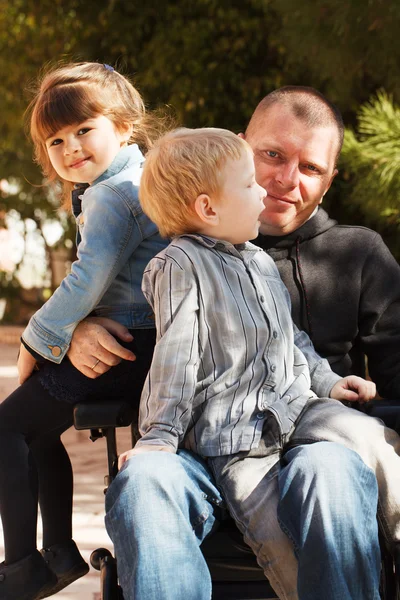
81,153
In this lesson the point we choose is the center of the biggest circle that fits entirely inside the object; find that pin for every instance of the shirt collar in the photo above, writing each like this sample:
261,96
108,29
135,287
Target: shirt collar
222,245
126,157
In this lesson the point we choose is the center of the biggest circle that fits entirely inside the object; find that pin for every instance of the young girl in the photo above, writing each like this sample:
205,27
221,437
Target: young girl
84,120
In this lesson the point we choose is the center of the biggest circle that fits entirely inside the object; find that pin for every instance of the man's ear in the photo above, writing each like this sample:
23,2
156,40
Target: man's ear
204,208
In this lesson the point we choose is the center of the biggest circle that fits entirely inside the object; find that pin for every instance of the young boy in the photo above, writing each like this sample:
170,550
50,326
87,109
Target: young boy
232,378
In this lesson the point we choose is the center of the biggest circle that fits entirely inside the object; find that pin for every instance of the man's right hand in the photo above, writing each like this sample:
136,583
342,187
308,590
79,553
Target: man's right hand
94,349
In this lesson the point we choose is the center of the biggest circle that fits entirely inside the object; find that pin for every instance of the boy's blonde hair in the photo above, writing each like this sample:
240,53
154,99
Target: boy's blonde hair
183,164
72,93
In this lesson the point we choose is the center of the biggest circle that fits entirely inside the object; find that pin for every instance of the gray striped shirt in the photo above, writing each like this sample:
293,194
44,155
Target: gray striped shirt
227,351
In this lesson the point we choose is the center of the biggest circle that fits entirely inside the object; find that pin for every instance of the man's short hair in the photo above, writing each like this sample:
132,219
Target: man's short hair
307,104
182,165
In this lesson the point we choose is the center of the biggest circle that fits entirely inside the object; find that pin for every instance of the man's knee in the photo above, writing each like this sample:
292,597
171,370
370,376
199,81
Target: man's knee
328,474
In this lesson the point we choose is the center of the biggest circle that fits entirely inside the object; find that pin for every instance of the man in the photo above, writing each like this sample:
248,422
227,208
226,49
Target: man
296,136
343,282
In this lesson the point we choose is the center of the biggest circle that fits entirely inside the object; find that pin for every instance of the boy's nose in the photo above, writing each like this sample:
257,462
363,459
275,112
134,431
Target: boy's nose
263,192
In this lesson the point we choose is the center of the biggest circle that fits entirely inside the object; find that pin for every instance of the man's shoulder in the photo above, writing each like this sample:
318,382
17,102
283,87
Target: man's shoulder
349,236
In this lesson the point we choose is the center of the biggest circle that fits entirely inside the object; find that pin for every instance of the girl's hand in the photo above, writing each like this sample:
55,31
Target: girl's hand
141,450
353,389
26,364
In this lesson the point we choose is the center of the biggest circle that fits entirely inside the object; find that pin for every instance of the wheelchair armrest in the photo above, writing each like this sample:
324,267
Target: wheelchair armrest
387,410
100,415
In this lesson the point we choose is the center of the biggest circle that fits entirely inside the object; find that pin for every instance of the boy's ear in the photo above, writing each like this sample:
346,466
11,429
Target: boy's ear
242,136
204,209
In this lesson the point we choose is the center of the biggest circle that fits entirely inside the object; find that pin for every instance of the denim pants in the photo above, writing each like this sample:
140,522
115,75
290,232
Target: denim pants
161,507
322,495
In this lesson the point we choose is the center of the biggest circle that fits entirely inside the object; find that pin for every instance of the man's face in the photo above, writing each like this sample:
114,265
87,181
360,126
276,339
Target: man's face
295,164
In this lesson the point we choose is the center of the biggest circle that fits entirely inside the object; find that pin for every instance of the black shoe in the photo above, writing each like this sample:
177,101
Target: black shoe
66,562
28,579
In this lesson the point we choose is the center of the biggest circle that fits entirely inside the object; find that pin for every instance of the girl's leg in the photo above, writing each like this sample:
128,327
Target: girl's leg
55,489
26,415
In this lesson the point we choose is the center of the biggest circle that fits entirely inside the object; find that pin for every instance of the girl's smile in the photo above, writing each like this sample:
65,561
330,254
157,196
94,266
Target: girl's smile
80,153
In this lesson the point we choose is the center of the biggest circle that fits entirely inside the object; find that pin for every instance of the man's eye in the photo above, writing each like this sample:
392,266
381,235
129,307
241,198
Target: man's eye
312,168
83,130
271,153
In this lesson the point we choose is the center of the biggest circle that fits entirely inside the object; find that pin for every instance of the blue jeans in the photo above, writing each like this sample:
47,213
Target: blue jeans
161,507
337,549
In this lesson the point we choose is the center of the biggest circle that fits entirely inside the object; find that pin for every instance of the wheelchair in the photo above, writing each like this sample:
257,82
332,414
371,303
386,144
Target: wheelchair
234,570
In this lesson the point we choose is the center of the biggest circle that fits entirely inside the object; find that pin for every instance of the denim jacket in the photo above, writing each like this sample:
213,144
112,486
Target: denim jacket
115,241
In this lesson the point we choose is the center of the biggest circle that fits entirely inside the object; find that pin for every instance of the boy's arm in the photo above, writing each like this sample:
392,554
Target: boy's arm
166,403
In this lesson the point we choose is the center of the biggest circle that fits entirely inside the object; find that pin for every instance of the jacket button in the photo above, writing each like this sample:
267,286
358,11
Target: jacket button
55,350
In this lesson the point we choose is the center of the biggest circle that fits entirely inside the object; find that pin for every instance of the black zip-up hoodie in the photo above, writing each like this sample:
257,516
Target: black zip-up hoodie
345,289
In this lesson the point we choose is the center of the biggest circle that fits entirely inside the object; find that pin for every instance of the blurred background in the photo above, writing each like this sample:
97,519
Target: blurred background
209,62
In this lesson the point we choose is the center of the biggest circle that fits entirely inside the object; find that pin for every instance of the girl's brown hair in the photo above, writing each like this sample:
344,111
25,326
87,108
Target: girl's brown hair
71,94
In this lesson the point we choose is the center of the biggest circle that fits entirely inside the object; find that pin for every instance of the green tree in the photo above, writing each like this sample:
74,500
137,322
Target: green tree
211,61
347,49
371,163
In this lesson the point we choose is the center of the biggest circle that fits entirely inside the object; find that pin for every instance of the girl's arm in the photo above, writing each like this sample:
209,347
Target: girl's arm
110,235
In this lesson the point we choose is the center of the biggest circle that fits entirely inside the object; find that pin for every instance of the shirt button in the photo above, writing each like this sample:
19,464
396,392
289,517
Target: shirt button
2,577
262,298
275,335
273,368
260,415
55,350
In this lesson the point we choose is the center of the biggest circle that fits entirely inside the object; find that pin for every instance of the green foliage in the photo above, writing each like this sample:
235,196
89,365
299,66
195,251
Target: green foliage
210,61
371,162
346,48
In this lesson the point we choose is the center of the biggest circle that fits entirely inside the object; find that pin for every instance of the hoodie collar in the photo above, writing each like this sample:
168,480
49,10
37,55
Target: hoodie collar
319,223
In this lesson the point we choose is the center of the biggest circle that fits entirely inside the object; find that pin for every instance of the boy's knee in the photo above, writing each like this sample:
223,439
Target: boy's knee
143,477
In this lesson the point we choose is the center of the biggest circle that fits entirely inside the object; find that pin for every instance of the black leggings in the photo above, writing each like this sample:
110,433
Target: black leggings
34,465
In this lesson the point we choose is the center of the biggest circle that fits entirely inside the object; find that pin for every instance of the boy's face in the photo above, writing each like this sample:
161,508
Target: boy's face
241,201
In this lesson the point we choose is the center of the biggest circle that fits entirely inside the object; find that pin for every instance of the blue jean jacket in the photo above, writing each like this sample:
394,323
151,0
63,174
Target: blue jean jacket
115,241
